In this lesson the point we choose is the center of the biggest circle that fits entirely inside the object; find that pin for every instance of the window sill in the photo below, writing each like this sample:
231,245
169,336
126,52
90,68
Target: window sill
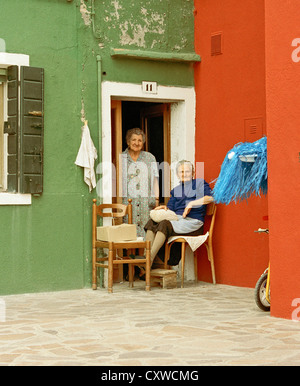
15,199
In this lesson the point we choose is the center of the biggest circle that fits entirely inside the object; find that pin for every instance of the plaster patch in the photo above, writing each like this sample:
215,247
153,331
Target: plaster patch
153,43
85,13
117,6
136,33
143,11
82,111
155,16
155,23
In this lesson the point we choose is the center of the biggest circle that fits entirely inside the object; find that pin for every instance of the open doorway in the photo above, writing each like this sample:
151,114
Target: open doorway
154,120
182,130
181,101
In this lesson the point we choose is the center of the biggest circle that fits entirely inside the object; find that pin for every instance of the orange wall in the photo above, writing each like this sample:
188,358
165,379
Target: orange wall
283,120
230,88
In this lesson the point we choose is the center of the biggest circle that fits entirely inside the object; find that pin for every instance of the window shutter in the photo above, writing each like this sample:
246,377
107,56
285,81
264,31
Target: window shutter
11,128
31,129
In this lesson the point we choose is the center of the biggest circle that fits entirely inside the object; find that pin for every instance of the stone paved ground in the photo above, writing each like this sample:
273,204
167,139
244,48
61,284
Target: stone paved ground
201,324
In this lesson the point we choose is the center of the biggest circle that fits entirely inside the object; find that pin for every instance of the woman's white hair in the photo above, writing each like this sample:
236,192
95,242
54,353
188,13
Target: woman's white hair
183,162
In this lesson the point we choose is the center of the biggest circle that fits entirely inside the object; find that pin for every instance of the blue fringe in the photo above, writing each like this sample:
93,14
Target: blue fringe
238,180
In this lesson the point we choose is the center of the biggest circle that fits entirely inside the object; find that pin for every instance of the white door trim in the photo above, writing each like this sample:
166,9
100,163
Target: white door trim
182,124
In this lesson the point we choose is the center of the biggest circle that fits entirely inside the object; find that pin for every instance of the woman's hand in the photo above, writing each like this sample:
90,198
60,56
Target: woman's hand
187,209
161,207
201,201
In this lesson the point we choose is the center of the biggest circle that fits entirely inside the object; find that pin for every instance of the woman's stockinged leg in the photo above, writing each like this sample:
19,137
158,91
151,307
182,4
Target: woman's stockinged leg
157,234
158,242
150,236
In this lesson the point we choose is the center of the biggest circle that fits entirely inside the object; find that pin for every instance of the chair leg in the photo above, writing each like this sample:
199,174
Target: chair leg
167,254
130,274
148,257
110,270
211,259
195,267
94,269
182,262
130,268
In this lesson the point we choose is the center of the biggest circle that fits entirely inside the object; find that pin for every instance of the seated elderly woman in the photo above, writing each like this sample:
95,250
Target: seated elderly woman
188,200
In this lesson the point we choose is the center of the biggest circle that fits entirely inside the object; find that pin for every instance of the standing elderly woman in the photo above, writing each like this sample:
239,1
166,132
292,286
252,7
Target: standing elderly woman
139,179
188,200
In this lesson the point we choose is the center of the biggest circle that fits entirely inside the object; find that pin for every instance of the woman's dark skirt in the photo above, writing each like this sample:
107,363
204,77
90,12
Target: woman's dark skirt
166,228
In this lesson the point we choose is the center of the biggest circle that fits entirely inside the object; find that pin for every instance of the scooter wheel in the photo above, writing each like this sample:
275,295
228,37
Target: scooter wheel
260,293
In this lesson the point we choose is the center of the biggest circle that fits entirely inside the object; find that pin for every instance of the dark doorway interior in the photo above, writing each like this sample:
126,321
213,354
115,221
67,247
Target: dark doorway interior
132,116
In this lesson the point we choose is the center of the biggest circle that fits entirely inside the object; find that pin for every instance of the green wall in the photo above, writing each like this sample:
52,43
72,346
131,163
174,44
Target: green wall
47,246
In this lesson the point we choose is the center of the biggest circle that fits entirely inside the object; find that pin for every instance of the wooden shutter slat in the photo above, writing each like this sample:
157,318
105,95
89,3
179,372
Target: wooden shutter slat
32,130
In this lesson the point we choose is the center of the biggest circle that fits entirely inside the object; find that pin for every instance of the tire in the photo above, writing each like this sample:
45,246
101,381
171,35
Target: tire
260,293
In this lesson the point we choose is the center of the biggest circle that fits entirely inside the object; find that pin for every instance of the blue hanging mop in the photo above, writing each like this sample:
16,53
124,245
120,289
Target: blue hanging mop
244,172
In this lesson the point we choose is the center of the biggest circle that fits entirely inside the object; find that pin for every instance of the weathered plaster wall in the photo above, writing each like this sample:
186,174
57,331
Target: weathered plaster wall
47,245
147,24
141,26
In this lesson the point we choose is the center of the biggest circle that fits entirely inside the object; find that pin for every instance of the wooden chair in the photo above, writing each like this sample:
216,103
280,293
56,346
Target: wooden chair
118,211
210,216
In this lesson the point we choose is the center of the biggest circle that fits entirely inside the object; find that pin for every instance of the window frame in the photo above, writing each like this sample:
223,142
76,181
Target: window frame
8,198
2,137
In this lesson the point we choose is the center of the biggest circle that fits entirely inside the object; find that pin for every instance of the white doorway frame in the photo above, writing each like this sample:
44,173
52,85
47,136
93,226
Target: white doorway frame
182,125
182,133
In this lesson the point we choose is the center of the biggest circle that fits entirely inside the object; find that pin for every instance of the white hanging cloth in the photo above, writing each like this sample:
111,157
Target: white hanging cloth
86,157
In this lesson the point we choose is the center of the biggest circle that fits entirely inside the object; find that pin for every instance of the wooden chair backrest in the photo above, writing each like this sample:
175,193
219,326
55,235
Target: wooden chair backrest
211,212
116,210
210,209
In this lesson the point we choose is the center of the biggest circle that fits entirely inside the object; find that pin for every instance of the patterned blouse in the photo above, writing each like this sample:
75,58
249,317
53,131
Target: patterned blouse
137,180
